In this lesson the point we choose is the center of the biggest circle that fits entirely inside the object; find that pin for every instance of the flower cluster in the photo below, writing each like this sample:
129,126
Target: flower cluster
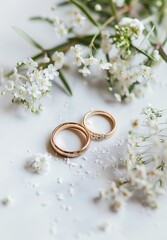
128,81
79,60
39,163
145,163
34,83
103,35
126,32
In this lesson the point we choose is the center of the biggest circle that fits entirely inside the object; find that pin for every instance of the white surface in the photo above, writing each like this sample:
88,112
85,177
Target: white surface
27,218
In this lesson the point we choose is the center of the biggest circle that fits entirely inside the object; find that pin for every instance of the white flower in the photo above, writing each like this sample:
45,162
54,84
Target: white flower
105,65
134,24
10,85
76,50
61,30
34,90
106,42
85,71
156,55
20,92
7,200
119,3
30,64
44,84
78,19
51,72
90,61
118,203
58,58
36,75
56,21
78,60
39,163
113,189
118,97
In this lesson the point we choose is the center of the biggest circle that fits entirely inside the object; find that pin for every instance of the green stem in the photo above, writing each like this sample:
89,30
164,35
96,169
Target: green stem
113,9
64,81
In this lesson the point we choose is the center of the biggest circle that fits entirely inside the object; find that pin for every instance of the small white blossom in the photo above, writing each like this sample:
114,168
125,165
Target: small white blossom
156,55
51,72
119,3
7,200
78,60
78,19
90,61
10,85
56,21
85,71
134,24
106,42
61,30
105,65
39,163
20,92
33,90
30,64
58,58
145,163
76,50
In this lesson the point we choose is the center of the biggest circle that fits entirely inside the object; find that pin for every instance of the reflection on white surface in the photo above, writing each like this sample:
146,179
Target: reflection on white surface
70,139
99,124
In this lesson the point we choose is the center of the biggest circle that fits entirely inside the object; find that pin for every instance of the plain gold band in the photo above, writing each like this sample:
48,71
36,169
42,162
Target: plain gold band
99,136
69,125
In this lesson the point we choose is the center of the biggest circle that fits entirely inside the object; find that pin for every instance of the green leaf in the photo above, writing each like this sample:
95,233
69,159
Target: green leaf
163,54
64,81
141,51
28,38
85,11
43,19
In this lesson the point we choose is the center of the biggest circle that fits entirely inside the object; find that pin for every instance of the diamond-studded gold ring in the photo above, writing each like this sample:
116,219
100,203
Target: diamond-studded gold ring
100,136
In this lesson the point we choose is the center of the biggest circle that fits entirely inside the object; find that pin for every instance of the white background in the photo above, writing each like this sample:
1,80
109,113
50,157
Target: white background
45,217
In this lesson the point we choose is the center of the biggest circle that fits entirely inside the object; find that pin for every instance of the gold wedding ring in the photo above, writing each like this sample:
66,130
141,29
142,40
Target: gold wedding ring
100,136
70,125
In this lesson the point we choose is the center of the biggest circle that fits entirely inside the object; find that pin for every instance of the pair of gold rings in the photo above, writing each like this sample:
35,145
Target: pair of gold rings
85,130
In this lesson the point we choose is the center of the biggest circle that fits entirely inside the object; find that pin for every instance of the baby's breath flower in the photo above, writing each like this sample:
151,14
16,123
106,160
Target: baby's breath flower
58,58
51,72
133,24
61,30
30,87
10,85
85,71
90,61
30,64
78,19
126,31
106,42
119,3
129,80
105,65
39,163
7,200
145,162
156,55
